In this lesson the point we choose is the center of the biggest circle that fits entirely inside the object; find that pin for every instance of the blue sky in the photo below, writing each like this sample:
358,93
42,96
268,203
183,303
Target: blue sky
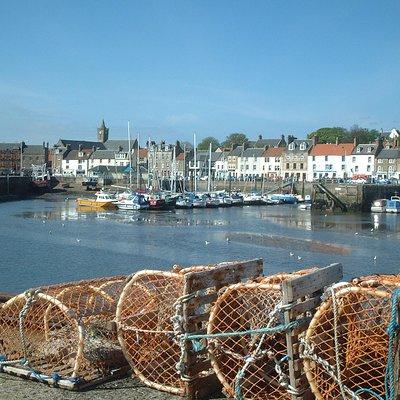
211,67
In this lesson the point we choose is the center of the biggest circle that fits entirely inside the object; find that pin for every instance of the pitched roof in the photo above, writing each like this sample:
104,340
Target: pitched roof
253,152
203,155
267,142
274,151
115,144
366,149
237,151
74,154
297,143
10,146
74,144
388,154
327,149
34,149
103,154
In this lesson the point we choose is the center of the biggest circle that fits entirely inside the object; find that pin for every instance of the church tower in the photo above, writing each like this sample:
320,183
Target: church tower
102,133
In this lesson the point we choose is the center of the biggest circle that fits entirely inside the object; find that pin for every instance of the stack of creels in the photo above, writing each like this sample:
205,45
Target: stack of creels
145,329
351,344
64,331
250,366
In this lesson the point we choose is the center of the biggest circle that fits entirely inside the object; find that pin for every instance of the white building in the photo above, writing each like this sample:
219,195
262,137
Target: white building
329,161
251,164
273,163
363,159
76,162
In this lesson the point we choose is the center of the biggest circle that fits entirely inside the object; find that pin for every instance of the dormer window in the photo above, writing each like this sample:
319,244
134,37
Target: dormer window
291,146
370,149
302,146
80,154
359,149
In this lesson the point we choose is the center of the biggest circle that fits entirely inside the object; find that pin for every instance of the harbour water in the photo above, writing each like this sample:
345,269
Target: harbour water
46,241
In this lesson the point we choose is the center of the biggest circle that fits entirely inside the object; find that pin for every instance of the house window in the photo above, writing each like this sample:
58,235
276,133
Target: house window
302,146
356,168
67,161
287,157
287,165
277,159
343,167
359,149
291,146
353,159
368,168
369,159
391,160
301,165
379,169
79,161
254,167
269,167
247,167
380,161
277,168
313,158
370,149
80,167
343,158
390,169
80,154
266,159
302,157
314,167
326,158
67,167
294,165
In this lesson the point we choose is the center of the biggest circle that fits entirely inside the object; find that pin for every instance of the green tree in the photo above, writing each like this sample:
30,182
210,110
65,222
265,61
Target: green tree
363,135
235,139
205,143
329,135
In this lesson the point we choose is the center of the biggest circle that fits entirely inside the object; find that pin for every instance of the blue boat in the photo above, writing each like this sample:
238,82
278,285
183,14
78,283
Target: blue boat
284,198
393,205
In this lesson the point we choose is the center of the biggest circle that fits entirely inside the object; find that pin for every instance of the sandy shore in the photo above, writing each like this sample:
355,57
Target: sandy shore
14,388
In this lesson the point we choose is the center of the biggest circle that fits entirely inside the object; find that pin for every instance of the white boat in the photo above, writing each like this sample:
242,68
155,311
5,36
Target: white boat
134,202
199,202
379,206
225,200
305,206
253,199
183,202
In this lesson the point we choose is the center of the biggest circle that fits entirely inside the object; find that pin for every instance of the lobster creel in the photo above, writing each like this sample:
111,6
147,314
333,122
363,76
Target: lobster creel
250,365
155,312
63,333
349,350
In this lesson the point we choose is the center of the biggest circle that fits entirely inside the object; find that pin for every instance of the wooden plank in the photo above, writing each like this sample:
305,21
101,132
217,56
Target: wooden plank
304,285
306,305
224,275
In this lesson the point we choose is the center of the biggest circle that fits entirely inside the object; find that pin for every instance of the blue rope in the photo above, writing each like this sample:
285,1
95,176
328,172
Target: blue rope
275,329
392,330
369,391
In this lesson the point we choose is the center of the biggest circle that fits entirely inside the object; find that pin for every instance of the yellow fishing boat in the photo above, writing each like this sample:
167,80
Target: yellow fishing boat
102,200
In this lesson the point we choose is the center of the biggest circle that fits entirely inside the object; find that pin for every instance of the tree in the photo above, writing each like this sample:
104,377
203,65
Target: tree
235,139
363,135
205,143
329,135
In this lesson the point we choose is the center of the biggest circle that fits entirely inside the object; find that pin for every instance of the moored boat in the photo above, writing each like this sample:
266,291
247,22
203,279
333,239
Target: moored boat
393,205
133,202
199,202
183,203
379,206
237,199
102,200
253,199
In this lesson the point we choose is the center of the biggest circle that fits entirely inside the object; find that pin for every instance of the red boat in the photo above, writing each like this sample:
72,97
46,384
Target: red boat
156,204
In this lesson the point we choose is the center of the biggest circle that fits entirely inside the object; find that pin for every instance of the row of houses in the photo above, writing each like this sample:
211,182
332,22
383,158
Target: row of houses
270,159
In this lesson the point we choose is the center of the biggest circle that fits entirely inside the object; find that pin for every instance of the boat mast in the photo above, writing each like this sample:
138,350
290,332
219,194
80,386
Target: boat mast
195,163
209,172
148,164
184,169
137,164
130,155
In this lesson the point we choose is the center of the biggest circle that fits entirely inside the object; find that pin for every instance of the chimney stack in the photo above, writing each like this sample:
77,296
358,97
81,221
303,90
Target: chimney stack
314,140
337,140
80,147
355,141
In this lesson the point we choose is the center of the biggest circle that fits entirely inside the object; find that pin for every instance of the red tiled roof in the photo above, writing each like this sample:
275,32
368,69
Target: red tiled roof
341,149
274,151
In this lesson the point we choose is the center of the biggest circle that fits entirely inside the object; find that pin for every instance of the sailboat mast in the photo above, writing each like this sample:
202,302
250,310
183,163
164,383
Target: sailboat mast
195,163
137,164
209,172
130,155
148,164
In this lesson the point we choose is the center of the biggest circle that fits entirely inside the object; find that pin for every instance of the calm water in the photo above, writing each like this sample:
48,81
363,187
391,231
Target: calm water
45,241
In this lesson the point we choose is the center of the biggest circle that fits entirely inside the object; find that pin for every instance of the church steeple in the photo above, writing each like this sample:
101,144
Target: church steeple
102,132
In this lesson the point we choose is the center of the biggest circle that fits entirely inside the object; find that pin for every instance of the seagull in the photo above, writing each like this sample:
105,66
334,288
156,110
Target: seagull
207,242
325,215
356,233
375,258
372,229
228,240
78,240
299,258
291,254
43,222
49,232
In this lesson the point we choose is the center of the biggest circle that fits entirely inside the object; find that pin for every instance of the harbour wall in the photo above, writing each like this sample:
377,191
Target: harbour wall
11,185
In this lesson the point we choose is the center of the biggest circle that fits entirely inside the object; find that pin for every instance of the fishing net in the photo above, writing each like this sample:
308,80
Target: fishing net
351,344
63,331
251,366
